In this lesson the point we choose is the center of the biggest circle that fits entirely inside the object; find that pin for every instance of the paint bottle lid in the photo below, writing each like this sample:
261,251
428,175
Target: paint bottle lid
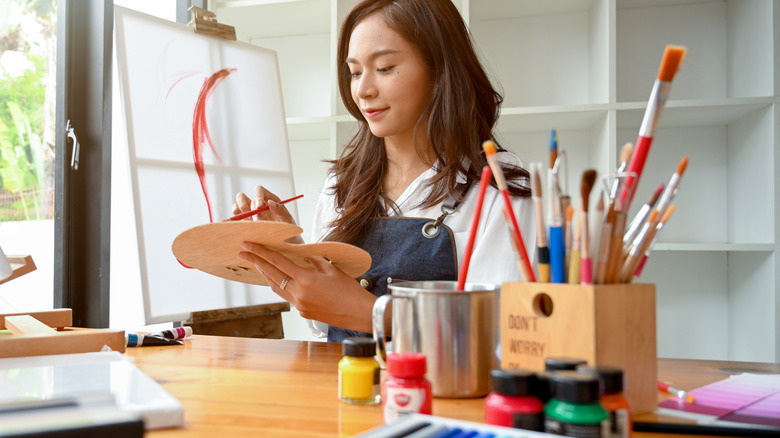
543,389
575,387
611,377
406,364
563,363
514,383
358,347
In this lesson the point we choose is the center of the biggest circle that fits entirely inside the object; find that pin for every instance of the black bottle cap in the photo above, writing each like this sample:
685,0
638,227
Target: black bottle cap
575,387
359,347
611,377
561,363
543,389
514,382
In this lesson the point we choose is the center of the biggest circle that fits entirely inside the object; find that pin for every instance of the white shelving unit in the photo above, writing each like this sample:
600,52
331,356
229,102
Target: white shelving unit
586,68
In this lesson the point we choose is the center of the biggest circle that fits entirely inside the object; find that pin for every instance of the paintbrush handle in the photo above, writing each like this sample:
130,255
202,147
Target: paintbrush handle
251,213
603,259
615,260
635,257
586,266
484,182
517,239
574,267
543,253
557,255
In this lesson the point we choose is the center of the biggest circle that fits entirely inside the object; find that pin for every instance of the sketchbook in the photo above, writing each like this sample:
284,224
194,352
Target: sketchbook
25,380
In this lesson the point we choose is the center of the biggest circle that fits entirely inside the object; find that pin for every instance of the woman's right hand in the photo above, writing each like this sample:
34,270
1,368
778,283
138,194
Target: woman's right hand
263,198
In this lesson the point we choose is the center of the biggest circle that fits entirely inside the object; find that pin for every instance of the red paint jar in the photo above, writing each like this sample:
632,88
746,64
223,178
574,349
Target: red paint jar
514,401
406,390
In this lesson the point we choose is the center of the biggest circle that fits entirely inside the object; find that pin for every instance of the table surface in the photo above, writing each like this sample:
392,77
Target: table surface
279,388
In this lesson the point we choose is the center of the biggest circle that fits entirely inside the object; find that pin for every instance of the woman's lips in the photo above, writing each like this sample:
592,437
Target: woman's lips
373,113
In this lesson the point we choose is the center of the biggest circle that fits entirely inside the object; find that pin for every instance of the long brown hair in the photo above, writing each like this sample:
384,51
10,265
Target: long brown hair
460,115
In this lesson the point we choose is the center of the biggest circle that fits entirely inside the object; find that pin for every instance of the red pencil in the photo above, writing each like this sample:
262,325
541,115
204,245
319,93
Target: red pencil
464,268
247,214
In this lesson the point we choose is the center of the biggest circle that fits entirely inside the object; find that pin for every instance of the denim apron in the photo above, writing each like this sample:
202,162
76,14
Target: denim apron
403,248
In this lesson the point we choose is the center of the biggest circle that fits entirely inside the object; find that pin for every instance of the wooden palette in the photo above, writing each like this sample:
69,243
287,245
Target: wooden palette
213,248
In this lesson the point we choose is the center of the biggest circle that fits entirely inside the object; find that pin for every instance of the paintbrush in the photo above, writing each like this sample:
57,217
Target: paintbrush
574,262
641,216
516,237
605,244
542,252
568,230
671,188
557,245
586,266
615,258
251,213
673,56
658,228
483,183
596,232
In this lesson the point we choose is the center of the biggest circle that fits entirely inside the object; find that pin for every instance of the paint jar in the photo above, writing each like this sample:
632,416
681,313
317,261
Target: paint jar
406,390
359,372
543,391
562,363
612,399
514,401
574,409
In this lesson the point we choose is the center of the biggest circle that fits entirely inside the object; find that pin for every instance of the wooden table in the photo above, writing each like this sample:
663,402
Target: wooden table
276,388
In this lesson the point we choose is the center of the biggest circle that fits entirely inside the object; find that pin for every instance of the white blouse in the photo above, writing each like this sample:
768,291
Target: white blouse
493,259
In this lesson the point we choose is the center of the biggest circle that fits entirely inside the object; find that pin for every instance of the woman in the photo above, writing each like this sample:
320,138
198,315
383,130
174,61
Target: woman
409,74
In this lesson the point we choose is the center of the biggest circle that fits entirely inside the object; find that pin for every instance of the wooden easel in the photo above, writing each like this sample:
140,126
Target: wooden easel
49,331
205,22
259,321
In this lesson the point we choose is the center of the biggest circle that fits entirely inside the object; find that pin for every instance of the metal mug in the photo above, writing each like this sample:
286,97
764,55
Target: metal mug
458,331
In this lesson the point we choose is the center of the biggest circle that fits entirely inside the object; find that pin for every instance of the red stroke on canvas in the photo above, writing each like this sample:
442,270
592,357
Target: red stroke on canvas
200,130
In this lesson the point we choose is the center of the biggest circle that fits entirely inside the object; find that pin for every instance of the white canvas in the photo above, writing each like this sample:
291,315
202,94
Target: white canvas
162,67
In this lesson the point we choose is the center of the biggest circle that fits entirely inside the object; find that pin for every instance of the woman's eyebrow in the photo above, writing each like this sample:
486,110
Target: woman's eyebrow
374,55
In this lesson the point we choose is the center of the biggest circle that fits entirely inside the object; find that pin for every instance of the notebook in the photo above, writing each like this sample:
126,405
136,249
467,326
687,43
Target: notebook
25,380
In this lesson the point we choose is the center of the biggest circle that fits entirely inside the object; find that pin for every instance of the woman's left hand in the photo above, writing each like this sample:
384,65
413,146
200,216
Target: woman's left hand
322,292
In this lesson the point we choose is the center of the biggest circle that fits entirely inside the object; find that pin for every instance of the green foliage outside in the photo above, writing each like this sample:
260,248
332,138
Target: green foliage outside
26,116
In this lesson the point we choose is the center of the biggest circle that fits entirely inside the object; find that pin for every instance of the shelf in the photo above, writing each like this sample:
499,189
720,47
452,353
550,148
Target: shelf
586,68
722,37
712,247
500,9
710,112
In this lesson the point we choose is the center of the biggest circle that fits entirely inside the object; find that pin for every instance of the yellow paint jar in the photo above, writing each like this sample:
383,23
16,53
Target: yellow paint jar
359,372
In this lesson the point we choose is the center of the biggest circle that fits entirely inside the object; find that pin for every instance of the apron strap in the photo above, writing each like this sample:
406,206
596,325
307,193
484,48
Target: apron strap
431,229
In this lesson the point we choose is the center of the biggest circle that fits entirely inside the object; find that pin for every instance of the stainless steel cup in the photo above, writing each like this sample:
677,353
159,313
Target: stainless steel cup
458,331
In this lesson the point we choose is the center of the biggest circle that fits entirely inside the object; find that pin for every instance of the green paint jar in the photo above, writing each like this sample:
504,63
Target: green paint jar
574,409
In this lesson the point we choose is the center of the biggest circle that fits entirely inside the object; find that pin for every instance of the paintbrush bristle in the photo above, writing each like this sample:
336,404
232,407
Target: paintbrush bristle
673,56
668,213
653,215
569,213
588,179
553,148
625,153
536,180
489,147
683,164
656,195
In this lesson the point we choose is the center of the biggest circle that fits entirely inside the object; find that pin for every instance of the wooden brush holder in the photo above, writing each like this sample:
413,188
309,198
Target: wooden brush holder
602,324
